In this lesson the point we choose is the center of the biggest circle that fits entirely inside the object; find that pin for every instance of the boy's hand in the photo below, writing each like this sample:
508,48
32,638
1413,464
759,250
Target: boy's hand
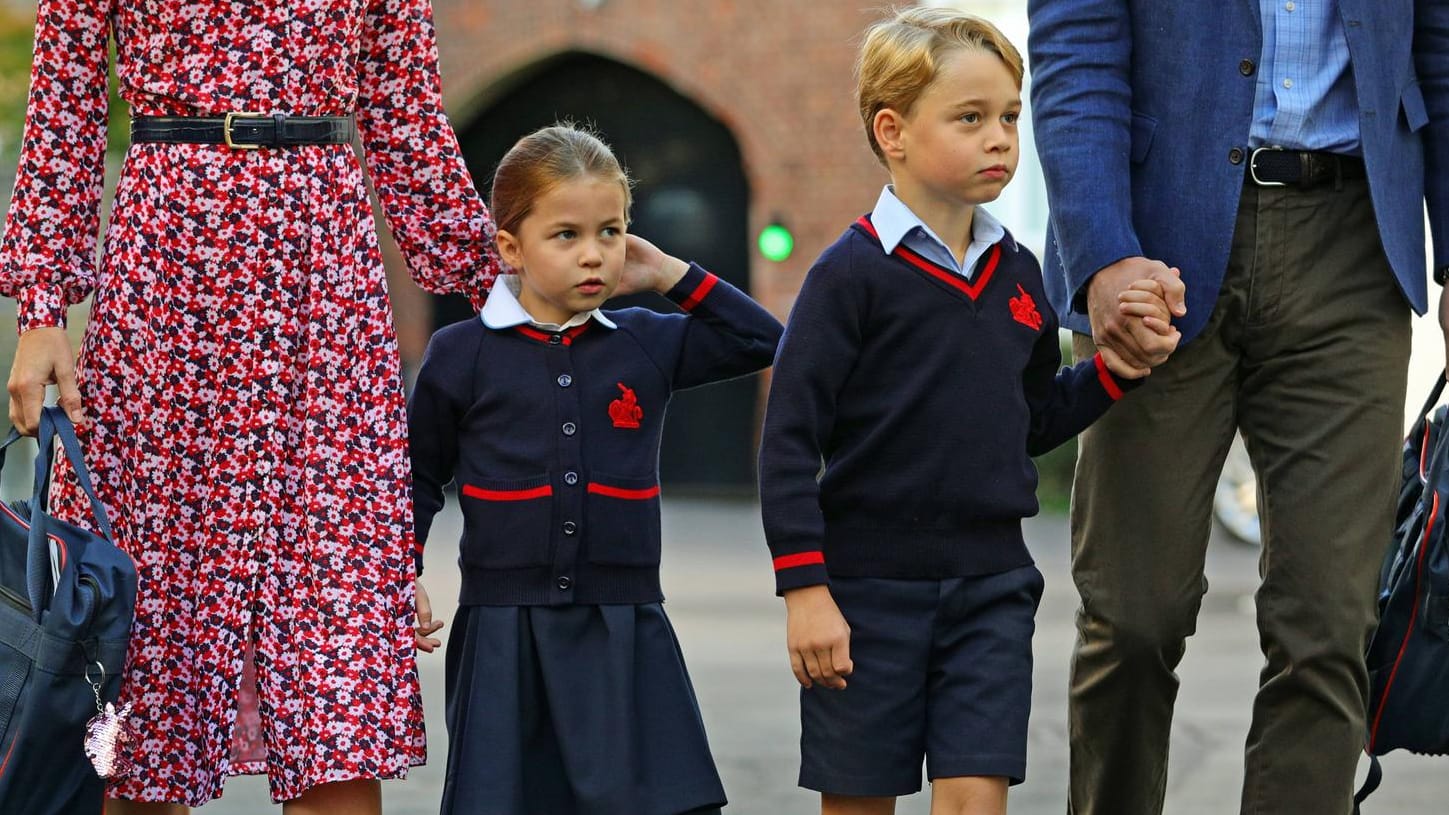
647,268
427,626
818,638
1129,348
1146,299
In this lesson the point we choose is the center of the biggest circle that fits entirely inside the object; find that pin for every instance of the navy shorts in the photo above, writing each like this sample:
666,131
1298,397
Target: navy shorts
942,673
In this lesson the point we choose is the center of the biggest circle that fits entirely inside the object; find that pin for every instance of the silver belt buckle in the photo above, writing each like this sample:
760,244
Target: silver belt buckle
1253,168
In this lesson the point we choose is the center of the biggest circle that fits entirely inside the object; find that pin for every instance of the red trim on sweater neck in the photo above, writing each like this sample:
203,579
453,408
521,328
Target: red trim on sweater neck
950,277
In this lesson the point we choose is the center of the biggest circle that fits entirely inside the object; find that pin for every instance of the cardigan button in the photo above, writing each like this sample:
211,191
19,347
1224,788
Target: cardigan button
563,582
571,478
555,339
569,527
564,380
569,428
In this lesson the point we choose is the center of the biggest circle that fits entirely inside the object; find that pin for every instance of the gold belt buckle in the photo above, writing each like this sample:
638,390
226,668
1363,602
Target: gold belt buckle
230,119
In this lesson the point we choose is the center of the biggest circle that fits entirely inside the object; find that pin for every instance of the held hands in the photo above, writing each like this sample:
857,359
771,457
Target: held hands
43,357
647,268
426,625
1130,304
817,637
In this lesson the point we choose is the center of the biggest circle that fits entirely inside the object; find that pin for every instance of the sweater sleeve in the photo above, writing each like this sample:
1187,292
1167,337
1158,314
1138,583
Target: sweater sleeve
1064,401
817,353
727,334
48,258
428,199
439,400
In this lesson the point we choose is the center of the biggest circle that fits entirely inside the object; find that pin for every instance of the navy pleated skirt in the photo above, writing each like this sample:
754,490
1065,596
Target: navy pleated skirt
573,710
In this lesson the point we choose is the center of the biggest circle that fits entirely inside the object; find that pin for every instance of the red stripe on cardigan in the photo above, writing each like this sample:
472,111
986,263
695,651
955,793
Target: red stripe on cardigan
699,292
507,495
619,492
802,559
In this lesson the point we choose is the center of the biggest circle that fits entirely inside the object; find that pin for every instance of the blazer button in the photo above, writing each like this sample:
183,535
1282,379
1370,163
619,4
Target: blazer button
1235,155
569,428
570,527
571,478
563,582
564,380
1246,67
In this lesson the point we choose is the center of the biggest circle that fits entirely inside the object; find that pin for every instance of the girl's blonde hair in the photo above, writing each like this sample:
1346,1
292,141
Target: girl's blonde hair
542,160
900,56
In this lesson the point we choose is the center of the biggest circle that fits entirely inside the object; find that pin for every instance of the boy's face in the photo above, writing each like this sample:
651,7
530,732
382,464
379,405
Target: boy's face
960,141
569,251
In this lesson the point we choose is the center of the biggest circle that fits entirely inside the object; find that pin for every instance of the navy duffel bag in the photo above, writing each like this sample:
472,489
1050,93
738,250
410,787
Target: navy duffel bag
67,598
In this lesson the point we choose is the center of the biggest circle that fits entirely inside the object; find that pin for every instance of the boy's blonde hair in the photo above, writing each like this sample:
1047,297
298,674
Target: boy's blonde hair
543,159
901,55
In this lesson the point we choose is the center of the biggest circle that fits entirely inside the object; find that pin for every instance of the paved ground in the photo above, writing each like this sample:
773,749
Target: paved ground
732,630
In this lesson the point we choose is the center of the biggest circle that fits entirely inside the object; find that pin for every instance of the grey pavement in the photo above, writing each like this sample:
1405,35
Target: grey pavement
717,578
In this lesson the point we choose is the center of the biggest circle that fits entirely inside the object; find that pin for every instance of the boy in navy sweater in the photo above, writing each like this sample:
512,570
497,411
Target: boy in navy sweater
920,364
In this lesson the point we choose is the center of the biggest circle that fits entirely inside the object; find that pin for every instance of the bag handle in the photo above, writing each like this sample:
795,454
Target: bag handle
53,423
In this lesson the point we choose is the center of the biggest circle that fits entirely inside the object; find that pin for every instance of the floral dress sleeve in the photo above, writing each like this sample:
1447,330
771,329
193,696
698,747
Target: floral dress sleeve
428,199
48,255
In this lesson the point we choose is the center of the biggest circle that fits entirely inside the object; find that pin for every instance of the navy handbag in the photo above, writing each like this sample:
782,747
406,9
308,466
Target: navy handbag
67,597
1408,657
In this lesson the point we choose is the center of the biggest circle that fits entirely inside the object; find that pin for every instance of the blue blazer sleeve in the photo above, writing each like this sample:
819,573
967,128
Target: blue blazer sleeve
1431,64
1081,104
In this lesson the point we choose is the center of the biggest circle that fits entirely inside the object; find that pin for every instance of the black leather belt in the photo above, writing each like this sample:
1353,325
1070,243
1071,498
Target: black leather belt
244,131
1275,167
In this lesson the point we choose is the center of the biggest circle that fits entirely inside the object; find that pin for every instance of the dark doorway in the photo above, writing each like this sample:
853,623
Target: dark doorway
690,198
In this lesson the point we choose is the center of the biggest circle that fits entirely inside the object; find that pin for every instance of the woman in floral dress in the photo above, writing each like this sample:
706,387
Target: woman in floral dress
239,376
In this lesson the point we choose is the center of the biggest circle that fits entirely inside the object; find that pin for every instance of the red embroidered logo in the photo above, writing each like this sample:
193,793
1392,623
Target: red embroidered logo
1023,310
625,410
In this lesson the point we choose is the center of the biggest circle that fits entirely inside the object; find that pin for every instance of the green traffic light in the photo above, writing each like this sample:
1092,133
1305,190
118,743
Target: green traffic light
776,243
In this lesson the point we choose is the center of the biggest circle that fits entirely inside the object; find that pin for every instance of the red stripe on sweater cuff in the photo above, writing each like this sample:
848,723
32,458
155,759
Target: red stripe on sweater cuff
1105,377
699,292
802,559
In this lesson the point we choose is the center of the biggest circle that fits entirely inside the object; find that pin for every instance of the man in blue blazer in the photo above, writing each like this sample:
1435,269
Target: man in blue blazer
1279,154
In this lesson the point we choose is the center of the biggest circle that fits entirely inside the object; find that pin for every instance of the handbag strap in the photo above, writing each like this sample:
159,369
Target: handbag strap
54,423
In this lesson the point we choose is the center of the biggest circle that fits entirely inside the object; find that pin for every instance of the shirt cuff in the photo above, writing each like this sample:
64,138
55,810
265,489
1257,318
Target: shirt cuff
40,306
692,288
800,570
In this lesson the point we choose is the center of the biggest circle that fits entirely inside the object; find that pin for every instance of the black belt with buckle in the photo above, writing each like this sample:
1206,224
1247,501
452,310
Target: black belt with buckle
244,131
1276,167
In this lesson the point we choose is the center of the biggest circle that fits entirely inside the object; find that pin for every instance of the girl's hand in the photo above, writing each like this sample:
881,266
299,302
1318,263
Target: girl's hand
817,637
427,626
646,268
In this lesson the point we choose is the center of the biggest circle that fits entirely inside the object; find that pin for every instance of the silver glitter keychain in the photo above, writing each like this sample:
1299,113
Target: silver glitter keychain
108,734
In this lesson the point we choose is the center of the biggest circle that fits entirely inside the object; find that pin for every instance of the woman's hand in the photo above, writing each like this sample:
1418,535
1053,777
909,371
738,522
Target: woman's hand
427,626
42,357
647,268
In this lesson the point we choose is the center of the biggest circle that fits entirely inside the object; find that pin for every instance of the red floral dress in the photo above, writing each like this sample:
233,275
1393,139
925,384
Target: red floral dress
240,369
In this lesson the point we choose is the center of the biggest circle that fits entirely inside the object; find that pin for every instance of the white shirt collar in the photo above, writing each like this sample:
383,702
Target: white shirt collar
502,309
893,221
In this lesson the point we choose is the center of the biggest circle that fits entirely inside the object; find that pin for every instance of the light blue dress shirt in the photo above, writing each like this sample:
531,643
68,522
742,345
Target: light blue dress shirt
896,224
1305,94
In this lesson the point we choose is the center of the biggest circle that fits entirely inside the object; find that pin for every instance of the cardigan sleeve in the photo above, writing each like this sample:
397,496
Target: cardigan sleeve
727,333
439,400
48,255
820,346
428,200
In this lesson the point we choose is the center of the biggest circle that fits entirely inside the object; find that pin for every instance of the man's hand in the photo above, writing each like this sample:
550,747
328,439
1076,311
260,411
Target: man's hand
817,637
42,357
1129,346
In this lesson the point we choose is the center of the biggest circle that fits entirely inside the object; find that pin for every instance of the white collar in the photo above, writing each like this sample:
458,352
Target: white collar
502,309
893,220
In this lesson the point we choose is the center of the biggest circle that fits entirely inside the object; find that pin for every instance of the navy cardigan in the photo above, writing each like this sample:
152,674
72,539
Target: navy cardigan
925,395
553,440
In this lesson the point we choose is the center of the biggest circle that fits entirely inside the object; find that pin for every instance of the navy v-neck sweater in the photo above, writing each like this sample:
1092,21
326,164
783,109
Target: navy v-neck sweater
924,395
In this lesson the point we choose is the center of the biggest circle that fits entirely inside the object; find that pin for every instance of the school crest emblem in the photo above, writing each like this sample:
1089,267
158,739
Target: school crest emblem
625,410
1023,310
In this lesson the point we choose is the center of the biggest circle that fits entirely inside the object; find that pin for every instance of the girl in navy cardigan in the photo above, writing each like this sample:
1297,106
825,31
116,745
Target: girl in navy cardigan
566,689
